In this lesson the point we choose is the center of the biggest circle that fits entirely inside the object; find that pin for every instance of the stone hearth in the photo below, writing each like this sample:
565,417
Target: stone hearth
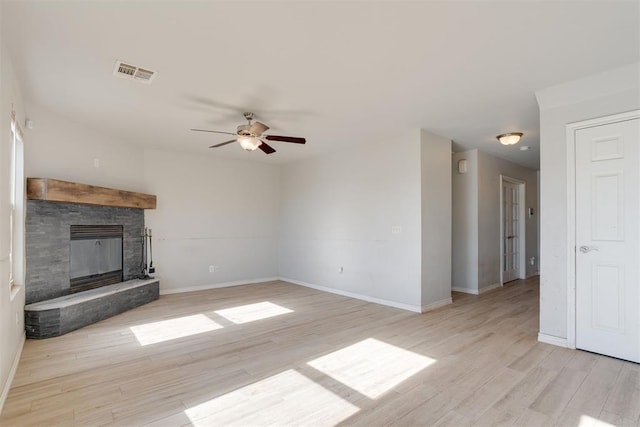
58,316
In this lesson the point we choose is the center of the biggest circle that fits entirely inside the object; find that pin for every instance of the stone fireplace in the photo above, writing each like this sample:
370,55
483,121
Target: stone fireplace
49,246
84,255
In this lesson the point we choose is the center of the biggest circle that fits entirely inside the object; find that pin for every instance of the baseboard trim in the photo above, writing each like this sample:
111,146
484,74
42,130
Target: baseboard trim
490,288
537,273
550,339
12,373
476,291
465,290
437,304
214,285
394,304
408,307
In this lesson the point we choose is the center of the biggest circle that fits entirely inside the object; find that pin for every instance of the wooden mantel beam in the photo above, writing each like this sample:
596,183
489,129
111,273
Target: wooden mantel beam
54,190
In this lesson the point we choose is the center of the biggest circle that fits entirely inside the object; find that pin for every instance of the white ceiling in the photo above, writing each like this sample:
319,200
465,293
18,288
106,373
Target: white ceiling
337,73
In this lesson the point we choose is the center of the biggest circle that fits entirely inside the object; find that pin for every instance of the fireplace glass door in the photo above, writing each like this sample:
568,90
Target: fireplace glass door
95,256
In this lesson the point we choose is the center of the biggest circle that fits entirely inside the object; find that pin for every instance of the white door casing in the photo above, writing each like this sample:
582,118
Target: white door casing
606,242
512,234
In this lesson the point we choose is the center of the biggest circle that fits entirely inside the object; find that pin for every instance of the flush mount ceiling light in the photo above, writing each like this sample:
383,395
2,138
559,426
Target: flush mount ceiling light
509,138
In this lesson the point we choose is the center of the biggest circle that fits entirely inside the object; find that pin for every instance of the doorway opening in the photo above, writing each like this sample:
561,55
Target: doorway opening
512,229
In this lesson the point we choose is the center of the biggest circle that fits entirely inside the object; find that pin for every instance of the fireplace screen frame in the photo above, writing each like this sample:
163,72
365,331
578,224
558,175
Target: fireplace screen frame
99,246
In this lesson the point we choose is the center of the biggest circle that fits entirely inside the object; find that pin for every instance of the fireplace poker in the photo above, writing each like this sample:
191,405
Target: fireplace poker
143,258
152,269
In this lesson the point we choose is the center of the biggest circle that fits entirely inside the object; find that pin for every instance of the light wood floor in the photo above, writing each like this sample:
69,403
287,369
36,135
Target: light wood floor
320,359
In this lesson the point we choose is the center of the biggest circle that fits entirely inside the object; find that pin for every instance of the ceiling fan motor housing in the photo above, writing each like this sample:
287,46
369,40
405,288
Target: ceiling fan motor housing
243,130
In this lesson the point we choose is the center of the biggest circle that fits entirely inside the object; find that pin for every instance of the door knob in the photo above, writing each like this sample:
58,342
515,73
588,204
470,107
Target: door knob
585,249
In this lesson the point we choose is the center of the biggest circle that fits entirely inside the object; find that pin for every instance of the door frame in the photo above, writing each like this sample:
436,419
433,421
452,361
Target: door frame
522,229
572,128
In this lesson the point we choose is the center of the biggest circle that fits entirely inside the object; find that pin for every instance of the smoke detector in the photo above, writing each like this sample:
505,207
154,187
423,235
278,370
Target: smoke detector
133,72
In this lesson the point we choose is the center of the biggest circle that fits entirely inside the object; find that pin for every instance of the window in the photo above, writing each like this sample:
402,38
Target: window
16,194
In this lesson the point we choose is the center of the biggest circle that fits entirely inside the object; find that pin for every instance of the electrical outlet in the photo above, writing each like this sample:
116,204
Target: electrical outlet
212,269
96,163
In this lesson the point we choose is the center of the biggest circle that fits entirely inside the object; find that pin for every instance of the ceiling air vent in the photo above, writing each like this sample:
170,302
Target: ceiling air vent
128,71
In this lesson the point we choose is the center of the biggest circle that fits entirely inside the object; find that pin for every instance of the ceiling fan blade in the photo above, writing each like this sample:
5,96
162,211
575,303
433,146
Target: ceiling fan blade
266,147
212,131
285,139
223,143
257,128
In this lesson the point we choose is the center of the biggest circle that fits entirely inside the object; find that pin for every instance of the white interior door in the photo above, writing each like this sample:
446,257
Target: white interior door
511,217
607,233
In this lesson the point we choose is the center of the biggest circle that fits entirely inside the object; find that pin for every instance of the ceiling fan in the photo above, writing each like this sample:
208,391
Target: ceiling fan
250,136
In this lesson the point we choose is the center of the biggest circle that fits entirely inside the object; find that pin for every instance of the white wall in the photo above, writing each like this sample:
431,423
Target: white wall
212,211
489,170
338,211
62,148
11,309
607,93
435,169
328,212
465,223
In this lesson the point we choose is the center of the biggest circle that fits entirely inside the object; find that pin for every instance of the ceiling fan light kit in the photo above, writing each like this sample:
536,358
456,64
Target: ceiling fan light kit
249,143
511,138
250,136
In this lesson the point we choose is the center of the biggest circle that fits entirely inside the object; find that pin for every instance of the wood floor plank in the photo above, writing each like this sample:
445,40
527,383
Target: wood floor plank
557,359
592,395
624,399
532,418
532,358
479,363
427,413
606,419
555,397
516,399
491,392
453,419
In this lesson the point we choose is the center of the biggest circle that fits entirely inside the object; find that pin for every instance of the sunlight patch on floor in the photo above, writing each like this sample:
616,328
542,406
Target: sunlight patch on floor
587,421
165,330
371,367
288,398
252,312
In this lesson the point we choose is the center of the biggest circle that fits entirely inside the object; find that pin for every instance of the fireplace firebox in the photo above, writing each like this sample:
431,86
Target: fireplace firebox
95,256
